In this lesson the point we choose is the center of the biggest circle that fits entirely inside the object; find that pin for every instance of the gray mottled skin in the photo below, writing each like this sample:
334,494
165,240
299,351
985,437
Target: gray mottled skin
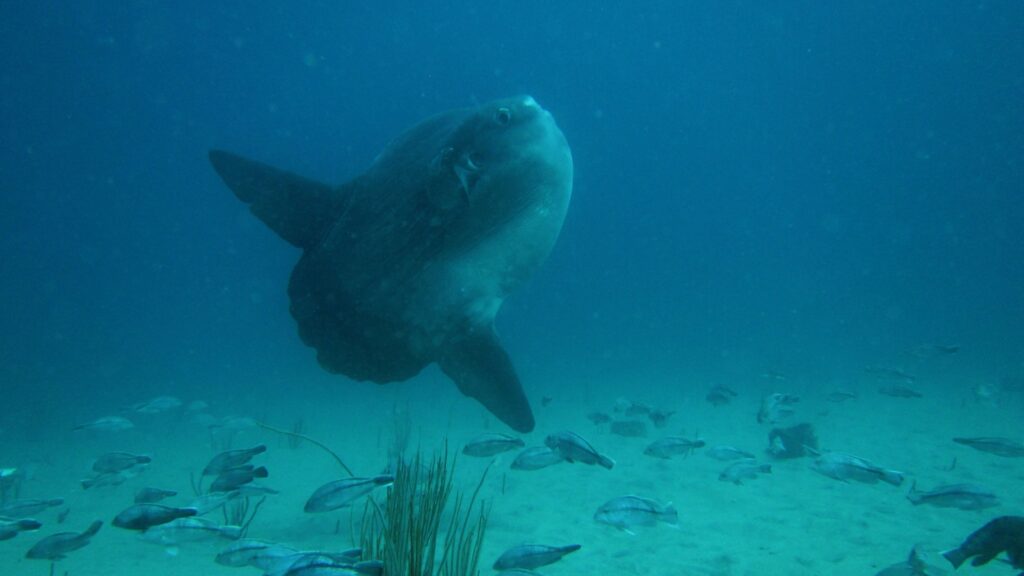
409,263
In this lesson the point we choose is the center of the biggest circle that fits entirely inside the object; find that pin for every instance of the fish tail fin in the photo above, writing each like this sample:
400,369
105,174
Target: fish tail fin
956,556
298,209
670,515
605,461
260,472
88,483
913,495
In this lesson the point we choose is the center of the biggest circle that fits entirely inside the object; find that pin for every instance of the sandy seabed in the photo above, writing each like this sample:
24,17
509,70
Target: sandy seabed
792,521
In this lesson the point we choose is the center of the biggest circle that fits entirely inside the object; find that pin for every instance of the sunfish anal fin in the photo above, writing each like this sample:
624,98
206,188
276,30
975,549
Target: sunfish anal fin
482,370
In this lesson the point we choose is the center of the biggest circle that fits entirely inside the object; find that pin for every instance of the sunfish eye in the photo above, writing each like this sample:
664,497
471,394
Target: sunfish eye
503,116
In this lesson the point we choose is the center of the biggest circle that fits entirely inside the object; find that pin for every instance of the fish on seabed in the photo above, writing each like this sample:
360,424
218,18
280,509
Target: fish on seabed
57,546
157,405
234,478
726,453
844,467
11,528
113,462
491,444
143,516
626,512
26,507
1004,534
673,446
190,529
993,445
535,458
232,459
150,495
573,448
530,556
342,493
409,263
107,424
744,469
962,496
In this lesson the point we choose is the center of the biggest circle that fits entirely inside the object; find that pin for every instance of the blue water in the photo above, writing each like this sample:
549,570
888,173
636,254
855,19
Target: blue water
801,187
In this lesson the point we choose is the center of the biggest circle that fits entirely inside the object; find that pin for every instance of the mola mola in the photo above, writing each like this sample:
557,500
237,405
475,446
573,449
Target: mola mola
408,263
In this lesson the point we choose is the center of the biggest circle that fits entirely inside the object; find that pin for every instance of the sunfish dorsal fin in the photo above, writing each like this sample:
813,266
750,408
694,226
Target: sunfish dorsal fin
482,370
300,210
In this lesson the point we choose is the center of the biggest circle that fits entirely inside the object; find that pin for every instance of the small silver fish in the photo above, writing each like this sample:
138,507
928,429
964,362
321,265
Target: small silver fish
11,528
845,467
672,446
342,493
491,444
182,530
105,479
962,496
745,469
726,453
313,564
157,405
235,478
148,495
256,553
625,512
231,459
530,556
840,396
112,462
207,503
573,448
999,446
18,509
535,458
107,424
58,545
143,516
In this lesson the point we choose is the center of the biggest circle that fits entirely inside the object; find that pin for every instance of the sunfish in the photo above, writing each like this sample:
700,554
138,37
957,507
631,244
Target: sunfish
409,263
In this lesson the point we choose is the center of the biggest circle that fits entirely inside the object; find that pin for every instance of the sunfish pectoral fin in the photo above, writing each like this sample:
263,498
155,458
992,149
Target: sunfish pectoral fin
482,370
298,209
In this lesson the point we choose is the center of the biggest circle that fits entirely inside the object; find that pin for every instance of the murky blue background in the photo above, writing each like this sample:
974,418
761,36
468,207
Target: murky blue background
801,186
